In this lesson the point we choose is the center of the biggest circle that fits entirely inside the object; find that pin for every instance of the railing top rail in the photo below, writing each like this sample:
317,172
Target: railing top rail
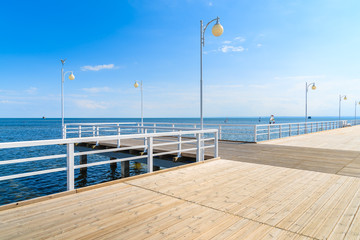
296,123
107,123
99,138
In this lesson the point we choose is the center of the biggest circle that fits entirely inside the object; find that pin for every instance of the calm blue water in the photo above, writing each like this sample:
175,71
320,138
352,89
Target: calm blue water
26,129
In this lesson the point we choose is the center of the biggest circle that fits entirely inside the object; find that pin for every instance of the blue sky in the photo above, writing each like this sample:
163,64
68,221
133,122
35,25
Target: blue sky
258,67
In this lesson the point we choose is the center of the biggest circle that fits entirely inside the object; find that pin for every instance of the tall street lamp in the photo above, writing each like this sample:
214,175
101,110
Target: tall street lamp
71,77
306,96
217,30
136,85
340,98
356,103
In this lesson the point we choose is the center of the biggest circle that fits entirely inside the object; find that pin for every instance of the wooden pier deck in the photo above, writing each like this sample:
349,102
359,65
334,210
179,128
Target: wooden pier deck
274,190
219,199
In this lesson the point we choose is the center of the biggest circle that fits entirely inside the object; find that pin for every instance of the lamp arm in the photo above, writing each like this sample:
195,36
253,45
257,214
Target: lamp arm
203,31
310,85
67,72
209,23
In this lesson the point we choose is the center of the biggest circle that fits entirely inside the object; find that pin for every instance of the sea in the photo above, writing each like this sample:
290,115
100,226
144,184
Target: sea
29,129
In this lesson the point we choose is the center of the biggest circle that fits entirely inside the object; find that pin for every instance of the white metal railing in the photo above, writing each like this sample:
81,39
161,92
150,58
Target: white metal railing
237,132
202,142
273,131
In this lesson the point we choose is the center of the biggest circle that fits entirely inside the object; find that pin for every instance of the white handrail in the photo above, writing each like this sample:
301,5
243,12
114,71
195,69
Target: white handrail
149,145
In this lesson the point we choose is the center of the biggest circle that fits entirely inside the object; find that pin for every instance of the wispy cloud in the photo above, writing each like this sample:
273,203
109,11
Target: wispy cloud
98,67
90,104
239,39
229,48
97,89
210,4
259,45
31,90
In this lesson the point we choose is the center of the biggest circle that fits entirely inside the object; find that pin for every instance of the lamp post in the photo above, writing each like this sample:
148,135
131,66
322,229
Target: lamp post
306,97
340,98
136,85
217,30
71,77
306,94
356,103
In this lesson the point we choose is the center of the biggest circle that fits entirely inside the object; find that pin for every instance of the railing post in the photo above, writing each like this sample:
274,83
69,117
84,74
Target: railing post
317,127
198,147
269,132
97,134
311,127
138,129
145,141
79,131
118,133
70,166
154,127
93,131
255,133
179,145
322,126
150,160
279,131
298,128
64,132
289,130
173,127
219,132
216,144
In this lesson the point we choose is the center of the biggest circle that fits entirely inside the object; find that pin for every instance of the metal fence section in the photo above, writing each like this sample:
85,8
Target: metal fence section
273,131
232,132
179,139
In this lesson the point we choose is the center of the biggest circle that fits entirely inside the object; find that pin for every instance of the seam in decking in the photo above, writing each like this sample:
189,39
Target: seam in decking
219,210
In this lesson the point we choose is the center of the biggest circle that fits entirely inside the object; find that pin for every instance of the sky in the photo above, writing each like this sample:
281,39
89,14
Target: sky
257,67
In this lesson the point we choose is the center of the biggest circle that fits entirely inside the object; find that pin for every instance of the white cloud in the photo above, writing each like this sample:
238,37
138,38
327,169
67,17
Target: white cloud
259,45
97,89
98,67
240,39
226,42
89,104
31,90
210,4
228,48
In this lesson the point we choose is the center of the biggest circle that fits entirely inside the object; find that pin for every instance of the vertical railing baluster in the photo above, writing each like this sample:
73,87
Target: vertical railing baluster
150,160
198,147
145,141
255,133
179,144
311,125
216,144
118,133
269,132
298,128
279,131
219,132
64,132
79,131
289,130
70,166
154,127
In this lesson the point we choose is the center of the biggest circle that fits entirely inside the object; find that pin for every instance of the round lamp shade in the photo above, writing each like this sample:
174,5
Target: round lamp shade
71,76
313,87
217,30
345,98
136,85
